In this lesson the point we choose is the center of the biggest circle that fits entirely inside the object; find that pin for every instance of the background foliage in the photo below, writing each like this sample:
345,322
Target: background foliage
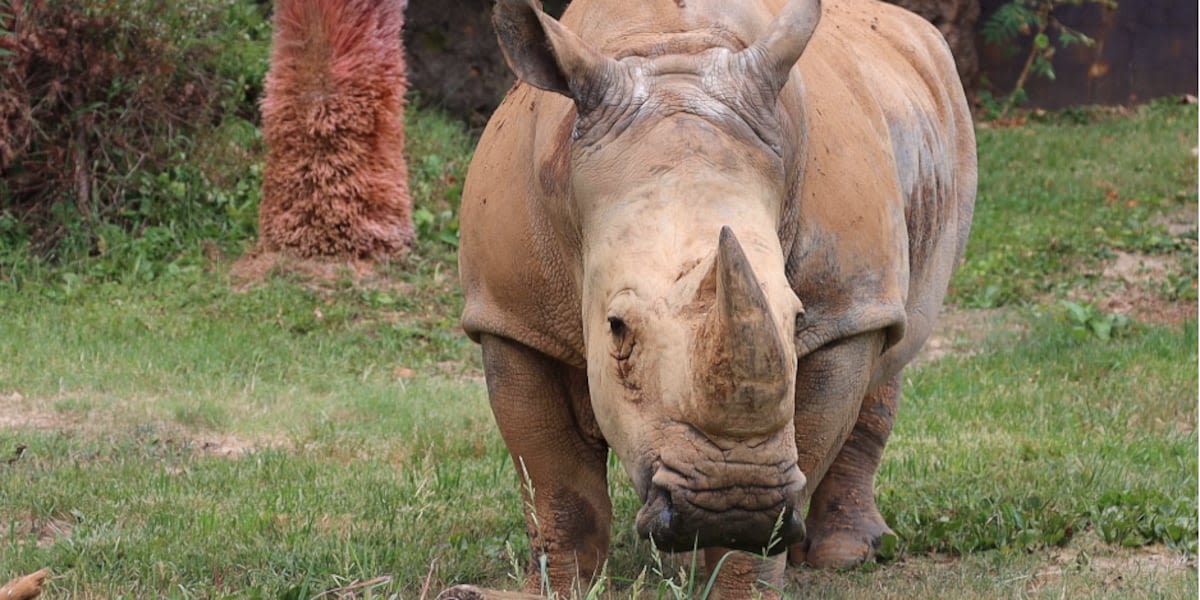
127,126
1035,18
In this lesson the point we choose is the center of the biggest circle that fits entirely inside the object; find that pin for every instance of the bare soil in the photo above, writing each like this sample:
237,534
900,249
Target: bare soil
16,412
1137,285
1111,566
1141,286
254,268
1081,570
963,332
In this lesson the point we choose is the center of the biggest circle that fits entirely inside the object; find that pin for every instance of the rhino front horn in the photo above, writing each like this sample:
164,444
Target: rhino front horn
742,374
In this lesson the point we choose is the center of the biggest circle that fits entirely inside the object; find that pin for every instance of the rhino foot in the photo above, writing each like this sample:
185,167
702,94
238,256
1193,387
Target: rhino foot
841,543
744,576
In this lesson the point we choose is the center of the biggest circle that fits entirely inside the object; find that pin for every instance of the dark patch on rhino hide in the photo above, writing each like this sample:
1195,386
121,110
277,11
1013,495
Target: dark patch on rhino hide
815,276
575,516
834,298
554,172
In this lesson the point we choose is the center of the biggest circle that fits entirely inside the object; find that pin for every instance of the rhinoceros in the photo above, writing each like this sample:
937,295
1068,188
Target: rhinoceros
708,236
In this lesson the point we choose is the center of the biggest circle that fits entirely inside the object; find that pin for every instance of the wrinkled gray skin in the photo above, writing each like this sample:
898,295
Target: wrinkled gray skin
708,235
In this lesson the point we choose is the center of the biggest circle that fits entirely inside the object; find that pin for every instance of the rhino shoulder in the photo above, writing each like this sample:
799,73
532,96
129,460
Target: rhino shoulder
519,272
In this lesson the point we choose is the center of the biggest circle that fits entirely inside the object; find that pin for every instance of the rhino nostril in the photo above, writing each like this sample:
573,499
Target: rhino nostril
793,529
664,518
657,514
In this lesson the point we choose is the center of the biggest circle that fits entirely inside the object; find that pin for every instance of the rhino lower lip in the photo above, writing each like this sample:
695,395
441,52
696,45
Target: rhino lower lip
675,516
757,531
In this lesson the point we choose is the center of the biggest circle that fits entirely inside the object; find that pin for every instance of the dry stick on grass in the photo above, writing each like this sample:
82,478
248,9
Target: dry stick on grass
25,588
350,589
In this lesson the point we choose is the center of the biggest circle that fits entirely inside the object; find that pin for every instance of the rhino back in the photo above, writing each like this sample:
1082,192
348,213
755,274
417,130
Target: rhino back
890,180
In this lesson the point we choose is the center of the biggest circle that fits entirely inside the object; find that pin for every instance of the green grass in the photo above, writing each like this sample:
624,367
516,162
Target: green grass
1058,197
186,437
1048,435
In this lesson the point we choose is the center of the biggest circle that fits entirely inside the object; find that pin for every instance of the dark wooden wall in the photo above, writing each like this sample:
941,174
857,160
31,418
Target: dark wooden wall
1144,50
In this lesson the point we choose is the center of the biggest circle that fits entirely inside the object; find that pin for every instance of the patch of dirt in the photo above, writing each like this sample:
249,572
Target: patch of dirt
1136,285
1113,568
19,413
1137,268
228,446
962,332
1141,286
1180,222
46,531
1081,570
257,265
53,530
1150,288
16,413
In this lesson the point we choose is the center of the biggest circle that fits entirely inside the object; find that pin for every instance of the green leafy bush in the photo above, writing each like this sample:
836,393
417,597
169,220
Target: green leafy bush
439,150
1087,321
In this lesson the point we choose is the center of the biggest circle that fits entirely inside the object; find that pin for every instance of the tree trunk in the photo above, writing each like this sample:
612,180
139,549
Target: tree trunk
335,183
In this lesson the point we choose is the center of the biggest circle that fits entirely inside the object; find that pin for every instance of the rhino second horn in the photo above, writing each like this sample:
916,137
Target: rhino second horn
744,375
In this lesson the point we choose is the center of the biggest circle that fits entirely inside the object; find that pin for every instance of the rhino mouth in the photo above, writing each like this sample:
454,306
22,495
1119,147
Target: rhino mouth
744,507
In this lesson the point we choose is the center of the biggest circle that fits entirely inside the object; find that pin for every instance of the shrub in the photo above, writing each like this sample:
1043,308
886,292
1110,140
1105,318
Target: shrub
125,114
1036,18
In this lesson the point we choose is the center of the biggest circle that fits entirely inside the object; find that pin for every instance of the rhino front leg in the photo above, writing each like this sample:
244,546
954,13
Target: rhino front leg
743,575
844,525
544,415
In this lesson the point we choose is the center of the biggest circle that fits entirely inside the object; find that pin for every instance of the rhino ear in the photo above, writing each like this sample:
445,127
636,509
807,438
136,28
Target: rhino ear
774,54
547,55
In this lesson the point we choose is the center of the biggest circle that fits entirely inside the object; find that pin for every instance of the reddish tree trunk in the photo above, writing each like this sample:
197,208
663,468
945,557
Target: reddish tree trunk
335,182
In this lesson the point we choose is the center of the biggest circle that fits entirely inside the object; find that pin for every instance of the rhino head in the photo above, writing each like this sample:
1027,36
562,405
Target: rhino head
681,170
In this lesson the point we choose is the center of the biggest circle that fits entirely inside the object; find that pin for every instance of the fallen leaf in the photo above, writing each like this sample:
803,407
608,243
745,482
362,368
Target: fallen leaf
25,588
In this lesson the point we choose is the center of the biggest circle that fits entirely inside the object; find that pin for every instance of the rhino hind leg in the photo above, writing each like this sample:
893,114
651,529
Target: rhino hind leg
844,525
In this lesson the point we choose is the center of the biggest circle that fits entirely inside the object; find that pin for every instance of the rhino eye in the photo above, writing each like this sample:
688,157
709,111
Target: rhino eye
622,339
617,326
